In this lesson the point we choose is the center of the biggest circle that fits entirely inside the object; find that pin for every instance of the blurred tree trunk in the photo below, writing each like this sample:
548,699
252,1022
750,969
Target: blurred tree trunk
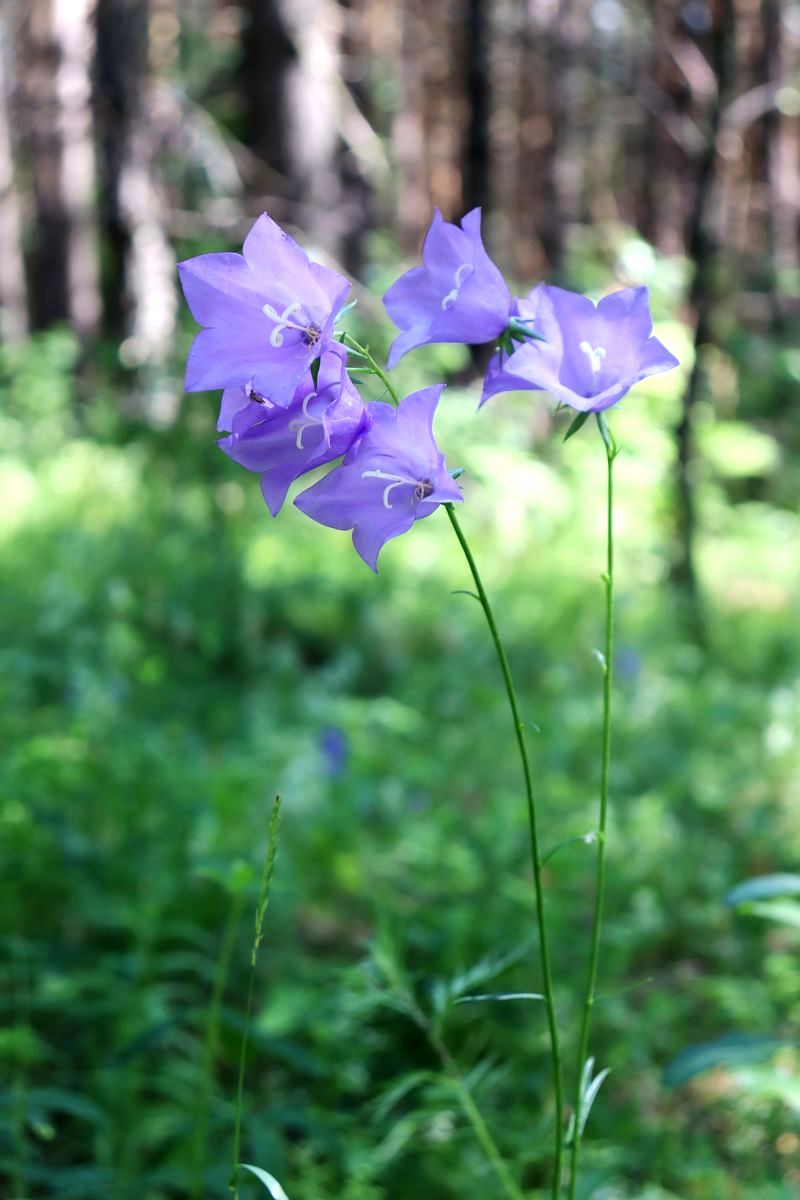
360,172
476,165
408,131
293,92
703,250
139,285
13,293
781,208
58,90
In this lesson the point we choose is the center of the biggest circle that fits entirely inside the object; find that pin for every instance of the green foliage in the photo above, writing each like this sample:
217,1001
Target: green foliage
171,658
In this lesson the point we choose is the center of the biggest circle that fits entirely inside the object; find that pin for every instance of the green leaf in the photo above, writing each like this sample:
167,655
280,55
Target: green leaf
393,1095
785,912
577,424
342,313
269,1181
764,887
501,996
732,1050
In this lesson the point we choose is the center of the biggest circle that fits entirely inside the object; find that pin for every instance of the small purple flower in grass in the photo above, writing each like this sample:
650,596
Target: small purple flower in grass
459,294
590,356
393,476
268,313
281,444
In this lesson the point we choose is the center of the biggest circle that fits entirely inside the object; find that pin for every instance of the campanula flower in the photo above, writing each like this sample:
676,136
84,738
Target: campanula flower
393,476
590,355
458,295
320,424
268,313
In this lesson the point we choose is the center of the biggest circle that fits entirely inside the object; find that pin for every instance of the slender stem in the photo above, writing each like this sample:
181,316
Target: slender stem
258,933
467,1100
475,1118
597,920
376,368
237,1133
211,1041
536,858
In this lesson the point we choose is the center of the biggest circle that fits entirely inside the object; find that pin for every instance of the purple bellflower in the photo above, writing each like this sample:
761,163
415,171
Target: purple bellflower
393,476
268,313
458,295
320,424
590,356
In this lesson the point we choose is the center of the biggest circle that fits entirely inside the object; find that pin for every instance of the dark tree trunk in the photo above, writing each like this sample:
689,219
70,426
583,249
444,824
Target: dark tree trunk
13,292
270,56
703,251
477,159
64,253
781,208
139,284
294,96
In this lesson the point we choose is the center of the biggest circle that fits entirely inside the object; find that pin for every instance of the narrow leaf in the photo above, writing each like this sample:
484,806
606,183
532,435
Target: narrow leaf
577,424
764,887
785,912
269,1181
466,592
732,1050
589,1098
501,996
342,313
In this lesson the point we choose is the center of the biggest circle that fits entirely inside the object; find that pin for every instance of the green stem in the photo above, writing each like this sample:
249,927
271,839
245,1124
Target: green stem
211,1042
261,908
597,920
466,1099
536,858
475,1118
375,367
237,1133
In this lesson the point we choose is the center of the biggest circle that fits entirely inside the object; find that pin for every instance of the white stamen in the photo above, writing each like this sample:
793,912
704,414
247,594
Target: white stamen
463,271
282,321
596,354
397,481
302,426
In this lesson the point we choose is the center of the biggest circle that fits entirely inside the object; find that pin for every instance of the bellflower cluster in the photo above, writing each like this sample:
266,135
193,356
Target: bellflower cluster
289,405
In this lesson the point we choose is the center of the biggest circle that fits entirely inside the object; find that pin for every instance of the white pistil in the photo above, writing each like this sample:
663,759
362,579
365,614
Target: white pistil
283,321
396,481
461,274
595,354
422,487
300,425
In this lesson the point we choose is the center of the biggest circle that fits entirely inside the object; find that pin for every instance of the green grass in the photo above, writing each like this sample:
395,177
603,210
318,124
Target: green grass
171,659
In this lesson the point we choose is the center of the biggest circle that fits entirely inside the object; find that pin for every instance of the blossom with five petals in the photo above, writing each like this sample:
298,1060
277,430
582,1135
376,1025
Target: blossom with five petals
458,295
268,312
394,475
589,356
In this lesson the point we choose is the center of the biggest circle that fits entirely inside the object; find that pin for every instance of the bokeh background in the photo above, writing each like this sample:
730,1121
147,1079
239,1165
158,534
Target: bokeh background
171,657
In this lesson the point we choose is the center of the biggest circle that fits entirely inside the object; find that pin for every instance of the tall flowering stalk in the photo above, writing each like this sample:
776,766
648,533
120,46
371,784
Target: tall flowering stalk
584,1095
270,340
